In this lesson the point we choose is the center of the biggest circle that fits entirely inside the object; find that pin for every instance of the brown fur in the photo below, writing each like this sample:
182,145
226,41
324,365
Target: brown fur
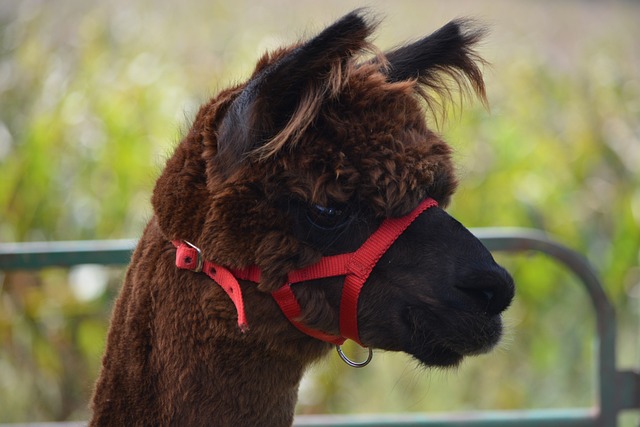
342,130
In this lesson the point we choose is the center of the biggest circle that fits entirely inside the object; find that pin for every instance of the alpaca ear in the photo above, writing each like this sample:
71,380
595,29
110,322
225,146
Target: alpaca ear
443,55
281,99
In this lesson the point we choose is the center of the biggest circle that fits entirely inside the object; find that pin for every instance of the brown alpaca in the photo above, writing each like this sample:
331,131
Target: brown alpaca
279,179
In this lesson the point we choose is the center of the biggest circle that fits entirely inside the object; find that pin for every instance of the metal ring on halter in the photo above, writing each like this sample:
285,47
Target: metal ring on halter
351,362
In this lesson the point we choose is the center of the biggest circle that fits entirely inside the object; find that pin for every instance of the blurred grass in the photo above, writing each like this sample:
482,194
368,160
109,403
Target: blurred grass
93,96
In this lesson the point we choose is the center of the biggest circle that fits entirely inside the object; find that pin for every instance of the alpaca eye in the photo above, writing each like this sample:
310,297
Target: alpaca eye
326,217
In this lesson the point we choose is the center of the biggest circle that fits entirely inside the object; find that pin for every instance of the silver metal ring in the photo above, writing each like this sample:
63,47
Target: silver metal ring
351,362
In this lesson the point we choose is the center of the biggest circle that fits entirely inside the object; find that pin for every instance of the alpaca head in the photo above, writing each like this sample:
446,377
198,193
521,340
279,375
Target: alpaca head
309,157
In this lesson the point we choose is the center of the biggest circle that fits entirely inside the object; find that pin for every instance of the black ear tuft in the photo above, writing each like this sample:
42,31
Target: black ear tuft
448,52
342,39
280,101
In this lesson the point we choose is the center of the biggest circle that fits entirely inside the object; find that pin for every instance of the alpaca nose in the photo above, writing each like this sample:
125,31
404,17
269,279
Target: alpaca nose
488,290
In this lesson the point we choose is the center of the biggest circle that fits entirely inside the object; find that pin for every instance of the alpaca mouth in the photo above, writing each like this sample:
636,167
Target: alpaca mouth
444,339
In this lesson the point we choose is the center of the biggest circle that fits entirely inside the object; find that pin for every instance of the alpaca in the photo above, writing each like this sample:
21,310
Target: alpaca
304,207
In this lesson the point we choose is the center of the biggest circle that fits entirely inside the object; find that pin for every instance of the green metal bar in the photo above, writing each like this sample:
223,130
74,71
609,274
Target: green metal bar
536,418
38,255
518,240
51,424
628,389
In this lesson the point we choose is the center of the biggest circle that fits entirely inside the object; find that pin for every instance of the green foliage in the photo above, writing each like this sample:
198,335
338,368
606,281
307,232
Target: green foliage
93,97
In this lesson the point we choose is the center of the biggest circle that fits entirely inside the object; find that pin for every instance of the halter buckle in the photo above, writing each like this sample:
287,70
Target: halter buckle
200,259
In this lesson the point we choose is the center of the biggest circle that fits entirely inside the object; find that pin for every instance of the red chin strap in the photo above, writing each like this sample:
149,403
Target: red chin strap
355,266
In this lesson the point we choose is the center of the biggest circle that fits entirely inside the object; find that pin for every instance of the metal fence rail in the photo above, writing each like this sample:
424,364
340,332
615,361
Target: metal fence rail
617,390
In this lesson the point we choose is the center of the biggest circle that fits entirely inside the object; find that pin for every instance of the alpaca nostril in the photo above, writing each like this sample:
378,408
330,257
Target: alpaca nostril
479,297
483,300
490,291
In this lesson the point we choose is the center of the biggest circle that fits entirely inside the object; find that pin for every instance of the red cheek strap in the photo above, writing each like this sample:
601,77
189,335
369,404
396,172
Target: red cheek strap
189,257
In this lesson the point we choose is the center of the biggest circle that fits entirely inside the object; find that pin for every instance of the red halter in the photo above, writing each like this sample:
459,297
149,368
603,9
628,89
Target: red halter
355,266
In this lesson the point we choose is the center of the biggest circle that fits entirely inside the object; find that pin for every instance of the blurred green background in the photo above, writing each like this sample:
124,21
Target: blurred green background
94,95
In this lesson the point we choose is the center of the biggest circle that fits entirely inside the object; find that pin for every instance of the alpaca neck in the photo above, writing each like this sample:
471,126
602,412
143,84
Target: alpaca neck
247,387
235,379
222,383
175,355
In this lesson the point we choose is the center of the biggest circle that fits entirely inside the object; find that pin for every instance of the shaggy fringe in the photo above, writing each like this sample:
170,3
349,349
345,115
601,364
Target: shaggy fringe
311,103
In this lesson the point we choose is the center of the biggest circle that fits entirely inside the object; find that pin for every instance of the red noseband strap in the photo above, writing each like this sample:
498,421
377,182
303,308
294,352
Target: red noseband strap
355,266
364,259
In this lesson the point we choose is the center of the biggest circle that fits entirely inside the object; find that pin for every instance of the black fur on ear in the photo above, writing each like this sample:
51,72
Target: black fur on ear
445,55
283,97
